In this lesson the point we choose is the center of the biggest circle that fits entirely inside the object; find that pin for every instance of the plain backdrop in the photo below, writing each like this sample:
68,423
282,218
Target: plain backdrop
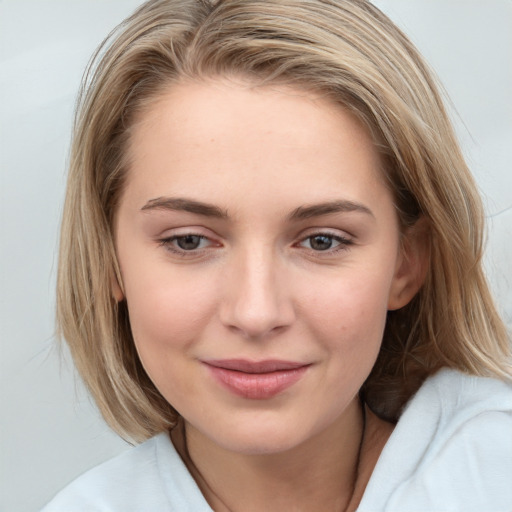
50,432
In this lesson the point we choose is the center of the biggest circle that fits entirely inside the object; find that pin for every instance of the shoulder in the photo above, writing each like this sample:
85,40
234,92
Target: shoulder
150,476
451,449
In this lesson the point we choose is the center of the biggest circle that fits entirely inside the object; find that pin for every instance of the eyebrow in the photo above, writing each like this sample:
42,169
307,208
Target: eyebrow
317,210
210,210
186,205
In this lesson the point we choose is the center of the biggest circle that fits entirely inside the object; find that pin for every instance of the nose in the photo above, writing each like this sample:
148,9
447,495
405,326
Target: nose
257,301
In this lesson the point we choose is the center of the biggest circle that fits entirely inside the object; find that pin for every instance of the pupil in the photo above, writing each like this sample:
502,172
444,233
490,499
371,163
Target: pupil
189,242
321,242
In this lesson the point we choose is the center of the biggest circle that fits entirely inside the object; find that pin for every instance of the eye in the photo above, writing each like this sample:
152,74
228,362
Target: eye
321,242
189,242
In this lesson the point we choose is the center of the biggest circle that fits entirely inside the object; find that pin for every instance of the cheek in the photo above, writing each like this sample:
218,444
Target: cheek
167,314
346,318
349,314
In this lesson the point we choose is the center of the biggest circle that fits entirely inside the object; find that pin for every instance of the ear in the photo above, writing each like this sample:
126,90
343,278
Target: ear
412,264
116,287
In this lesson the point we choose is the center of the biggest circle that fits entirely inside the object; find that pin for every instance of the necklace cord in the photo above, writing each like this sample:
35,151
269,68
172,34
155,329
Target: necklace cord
199,475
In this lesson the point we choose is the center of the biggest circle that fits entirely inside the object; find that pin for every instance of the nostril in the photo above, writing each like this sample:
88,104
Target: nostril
257,334
256,301
253,322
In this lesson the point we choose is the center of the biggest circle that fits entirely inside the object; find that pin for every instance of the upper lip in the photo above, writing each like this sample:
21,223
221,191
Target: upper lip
266,366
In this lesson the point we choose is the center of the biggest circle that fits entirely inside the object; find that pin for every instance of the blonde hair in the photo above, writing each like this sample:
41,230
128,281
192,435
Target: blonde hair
352,53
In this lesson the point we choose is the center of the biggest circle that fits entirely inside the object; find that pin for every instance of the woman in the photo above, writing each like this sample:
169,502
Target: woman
271,268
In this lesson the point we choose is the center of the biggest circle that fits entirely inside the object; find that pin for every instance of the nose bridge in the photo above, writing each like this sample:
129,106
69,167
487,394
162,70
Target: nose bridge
256,300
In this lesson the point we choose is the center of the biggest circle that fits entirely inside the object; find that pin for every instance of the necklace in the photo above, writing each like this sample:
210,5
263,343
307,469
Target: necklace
358,459
204,484
198,476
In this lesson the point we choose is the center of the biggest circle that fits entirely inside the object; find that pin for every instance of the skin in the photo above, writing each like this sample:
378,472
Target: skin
257,287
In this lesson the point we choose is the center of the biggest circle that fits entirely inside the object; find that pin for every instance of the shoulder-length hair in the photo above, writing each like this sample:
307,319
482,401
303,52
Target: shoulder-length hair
354,55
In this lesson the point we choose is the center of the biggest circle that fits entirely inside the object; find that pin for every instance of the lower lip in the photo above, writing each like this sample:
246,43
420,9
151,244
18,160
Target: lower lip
257,386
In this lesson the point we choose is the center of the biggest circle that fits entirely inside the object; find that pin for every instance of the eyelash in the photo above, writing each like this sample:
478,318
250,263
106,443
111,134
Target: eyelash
343,244
167,243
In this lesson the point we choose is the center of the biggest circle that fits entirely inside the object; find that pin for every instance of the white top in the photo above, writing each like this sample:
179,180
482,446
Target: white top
450,451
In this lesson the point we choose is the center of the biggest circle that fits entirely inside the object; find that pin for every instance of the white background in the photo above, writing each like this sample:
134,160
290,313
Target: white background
49,430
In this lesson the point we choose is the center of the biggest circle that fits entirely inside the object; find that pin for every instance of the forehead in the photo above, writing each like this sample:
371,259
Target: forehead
198,136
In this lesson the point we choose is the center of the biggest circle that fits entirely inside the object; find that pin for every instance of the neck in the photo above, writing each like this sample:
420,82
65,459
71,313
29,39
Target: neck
327,472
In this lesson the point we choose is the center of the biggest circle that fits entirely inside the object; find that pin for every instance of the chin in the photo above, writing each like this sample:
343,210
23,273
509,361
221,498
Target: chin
260,436
259,444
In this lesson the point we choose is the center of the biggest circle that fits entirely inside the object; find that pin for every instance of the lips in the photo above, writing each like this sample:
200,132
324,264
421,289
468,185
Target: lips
256,380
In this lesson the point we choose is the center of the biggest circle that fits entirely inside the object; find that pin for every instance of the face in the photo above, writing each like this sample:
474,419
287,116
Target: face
259,251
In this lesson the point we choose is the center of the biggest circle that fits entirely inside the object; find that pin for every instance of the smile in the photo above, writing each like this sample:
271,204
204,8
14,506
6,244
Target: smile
256,380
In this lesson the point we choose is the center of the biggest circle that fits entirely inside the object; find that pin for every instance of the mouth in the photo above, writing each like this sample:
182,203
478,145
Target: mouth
256,380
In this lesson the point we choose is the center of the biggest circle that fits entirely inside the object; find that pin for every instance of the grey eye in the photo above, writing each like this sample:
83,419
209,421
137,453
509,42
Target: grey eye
188,242
320,242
